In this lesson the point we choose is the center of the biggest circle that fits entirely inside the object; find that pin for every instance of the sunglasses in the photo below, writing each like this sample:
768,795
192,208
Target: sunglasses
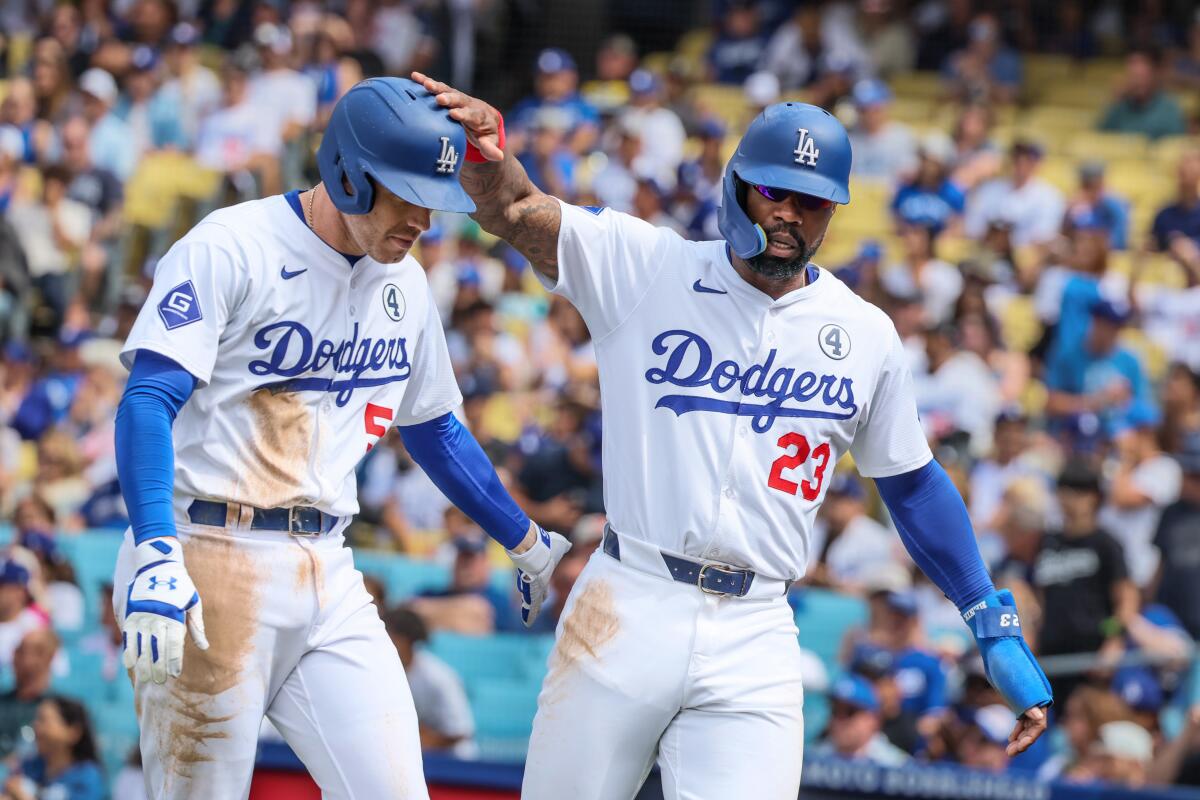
805,201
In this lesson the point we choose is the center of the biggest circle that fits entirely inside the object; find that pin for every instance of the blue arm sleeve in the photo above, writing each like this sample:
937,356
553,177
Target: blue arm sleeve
157,388
933,523
457,465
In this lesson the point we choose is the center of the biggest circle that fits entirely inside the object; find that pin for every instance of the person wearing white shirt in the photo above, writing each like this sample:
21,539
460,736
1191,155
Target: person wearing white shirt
849,544
939,282
662,133
884,150
443,712
193,87
959,393
1030,204
1145,482
239,136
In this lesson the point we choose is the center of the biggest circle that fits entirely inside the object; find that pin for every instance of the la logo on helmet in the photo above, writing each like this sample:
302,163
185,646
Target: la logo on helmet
448,160
806,149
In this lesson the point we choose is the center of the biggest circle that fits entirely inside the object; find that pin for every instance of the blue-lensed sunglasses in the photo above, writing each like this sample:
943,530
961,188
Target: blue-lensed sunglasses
806,201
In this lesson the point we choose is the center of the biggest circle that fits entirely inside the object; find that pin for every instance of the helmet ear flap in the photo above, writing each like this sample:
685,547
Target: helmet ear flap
746,238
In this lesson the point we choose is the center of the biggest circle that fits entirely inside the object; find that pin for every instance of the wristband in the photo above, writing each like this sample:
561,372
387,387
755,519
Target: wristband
473,153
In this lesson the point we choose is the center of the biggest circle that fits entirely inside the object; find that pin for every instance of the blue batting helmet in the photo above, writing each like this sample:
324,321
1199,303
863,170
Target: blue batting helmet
793,146
393,130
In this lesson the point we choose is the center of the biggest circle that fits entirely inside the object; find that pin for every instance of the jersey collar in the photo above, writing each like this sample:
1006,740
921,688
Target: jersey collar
293,200
817,282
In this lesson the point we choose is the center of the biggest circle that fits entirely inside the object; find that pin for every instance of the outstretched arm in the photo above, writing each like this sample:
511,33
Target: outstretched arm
508,205
933,523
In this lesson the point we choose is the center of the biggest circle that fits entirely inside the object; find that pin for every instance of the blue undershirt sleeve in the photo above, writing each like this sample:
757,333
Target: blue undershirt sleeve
934,525
457,465
157,389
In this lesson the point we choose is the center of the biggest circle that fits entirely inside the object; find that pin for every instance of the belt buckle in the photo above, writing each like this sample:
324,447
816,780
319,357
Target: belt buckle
294,524
700,579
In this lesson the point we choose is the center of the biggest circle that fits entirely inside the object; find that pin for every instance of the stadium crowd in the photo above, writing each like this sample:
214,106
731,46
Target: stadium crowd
1035,237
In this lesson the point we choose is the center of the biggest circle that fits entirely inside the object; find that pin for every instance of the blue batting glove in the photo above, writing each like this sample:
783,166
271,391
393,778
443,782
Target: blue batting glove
1007,659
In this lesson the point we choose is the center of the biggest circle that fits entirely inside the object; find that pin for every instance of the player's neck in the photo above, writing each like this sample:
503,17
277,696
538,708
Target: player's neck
327,222
774,288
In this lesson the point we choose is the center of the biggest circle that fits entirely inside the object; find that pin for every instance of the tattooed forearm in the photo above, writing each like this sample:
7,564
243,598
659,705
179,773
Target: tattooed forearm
508,205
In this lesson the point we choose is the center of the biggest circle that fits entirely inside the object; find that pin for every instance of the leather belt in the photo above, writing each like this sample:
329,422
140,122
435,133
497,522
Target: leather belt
708,577
297,520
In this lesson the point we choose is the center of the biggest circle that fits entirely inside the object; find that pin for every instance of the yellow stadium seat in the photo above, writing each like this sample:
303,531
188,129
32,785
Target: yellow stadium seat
726,102
1058,117
1041,69
1073,93
657,62
912,110
1061,172
926,85
1104,146
1152,356
1019,324
1168,149
695,43
1105,71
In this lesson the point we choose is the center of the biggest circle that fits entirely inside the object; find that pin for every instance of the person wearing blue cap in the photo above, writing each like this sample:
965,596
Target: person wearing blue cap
734,374
855,725
1103,385
884,150
556,86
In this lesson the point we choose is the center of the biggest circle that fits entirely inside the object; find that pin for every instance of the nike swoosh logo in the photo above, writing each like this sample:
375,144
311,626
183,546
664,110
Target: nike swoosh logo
705,289
287,276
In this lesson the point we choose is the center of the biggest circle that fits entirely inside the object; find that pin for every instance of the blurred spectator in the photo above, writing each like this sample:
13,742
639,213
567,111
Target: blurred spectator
1101,387
761,89
284,93
847,543
1031,205
52,81
616,182
1145,481
1094,206
31,683
986,70
1020,522
556,87
1121,754
993,474
889,40
650,200
67,762
798,49
1181,405
471,603
1084,712
443,713
61,595
1179,760
19,109
190,86
855,725
18,615
883,149
739,43
976,156
153,118
662,133
546,156
1178,543
1176,228
558,471
1142,106
113,145
238,138
486,358
616,59
1082,578
958,393
878,665
938,282
985,739
95,187
1184,70
931,198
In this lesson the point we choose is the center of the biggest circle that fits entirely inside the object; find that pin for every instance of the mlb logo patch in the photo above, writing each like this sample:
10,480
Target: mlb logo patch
180,307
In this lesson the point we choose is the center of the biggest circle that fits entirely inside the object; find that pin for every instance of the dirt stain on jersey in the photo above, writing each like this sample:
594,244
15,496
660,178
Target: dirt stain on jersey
278,450
194,710
592,623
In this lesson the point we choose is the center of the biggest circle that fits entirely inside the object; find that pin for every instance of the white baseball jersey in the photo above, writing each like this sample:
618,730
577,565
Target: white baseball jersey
725,412
303,361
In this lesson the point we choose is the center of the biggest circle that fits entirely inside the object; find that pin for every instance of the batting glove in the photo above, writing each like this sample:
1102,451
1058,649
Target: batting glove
1007,659
161,598
534,568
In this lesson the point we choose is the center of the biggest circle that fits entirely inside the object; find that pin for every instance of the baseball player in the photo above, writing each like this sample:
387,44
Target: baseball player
283,337
733,376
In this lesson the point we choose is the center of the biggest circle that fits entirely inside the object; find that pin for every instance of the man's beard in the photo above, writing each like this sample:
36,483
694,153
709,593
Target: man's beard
776,268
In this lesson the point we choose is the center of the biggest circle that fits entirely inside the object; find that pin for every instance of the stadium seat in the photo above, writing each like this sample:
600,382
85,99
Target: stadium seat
504,711
513,656
928,85
823,618
401,577
1103,146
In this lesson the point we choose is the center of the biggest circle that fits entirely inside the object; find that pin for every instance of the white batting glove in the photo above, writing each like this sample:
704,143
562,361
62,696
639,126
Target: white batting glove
161,597
534,567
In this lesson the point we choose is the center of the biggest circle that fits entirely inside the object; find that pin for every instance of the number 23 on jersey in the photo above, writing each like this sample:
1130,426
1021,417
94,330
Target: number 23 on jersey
796,451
